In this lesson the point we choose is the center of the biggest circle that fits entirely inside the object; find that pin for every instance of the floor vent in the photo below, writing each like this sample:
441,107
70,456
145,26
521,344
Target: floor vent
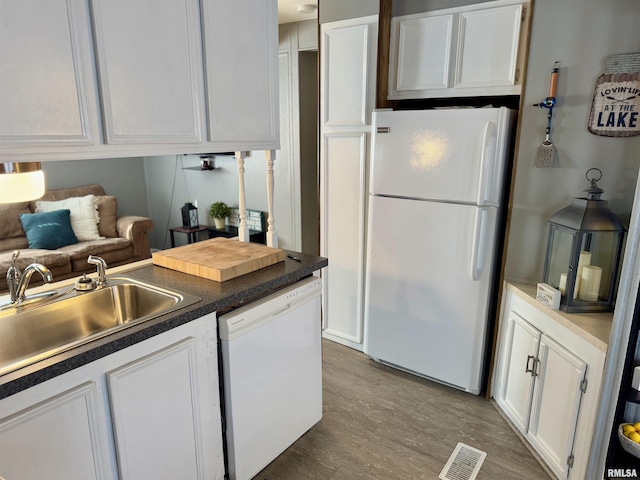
463,464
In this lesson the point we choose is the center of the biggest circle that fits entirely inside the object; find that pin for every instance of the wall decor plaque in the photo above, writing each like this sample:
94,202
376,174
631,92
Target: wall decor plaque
615,111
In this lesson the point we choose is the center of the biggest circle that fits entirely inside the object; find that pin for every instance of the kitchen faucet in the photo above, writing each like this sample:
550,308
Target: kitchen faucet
18,281
101,265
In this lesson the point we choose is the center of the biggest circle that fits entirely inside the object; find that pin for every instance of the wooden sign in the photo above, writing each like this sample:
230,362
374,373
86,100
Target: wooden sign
615,111
616,106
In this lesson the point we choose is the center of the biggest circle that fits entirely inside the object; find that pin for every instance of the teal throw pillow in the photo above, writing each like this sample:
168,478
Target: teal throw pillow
48,230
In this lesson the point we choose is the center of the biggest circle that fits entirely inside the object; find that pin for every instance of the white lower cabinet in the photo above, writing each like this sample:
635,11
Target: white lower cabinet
63,436
151,410
547,383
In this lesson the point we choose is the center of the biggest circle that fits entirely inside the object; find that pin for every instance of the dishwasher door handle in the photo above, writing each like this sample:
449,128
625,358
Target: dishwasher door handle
281,310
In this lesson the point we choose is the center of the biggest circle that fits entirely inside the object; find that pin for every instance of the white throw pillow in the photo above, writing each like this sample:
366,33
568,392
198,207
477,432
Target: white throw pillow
84,215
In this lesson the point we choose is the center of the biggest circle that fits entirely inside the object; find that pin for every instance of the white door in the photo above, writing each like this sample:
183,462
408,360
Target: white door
488,43
62,437
521,350
556,404
157,406
416,252
46,74
344,157
420,68
242,96
347,97
150,70
449,155
348,72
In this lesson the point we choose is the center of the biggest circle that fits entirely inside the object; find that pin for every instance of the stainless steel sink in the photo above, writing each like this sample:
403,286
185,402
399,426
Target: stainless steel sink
38,330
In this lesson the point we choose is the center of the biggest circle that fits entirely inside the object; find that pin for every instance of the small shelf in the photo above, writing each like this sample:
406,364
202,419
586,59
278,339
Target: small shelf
198,168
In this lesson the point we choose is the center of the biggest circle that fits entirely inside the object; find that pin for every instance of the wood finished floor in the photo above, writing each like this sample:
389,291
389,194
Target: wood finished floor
380,423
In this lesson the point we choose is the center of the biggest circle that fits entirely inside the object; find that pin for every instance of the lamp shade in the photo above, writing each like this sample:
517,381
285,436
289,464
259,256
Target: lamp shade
20,182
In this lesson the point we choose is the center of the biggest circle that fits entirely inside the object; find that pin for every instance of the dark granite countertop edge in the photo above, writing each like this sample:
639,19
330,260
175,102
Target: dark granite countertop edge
215,297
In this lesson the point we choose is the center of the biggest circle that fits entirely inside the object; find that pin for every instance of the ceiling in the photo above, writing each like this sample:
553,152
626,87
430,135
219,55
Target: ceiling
288,11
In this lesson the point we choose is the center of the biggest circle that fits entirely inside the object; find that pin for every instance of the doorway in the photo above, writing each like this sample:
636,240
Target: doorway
309,156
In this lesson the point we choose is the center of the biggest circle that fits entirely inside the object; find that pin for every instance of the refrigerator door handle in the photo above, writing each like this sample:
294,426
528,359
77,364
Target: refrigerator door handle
476,266
486,161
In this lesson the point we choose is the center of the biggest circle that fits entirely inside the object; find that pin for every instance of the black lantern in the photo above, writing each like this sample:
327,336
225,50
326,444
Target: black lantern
584,251
189,216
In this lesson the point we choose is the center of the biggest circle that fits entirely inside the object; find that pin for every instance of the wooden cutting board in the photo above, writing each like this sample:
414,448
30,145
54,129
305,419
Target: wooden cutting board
218,259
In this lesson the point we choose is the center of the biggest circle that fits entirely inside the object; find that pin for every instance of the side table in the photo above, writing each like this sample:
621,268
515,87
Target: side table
229,232
190,231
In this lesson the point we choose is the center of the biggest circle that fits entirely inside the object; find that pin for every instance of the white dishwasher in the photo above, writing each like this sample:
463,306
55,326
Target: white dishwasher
272,375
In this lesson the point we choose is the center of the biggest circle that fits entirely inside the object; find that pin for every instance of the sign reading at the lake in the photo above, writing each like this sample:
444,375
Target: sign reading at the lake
615,111
616,106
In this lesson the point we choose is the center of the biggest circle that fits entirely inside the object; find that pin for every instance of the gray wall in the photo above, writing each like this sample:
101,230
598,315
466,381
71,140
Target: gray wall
407,7
333,10
171,184
580,34
122,177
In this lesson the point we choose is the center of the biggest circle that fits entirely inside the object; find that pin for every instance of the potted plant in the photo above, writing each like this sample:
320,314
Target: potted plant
219,211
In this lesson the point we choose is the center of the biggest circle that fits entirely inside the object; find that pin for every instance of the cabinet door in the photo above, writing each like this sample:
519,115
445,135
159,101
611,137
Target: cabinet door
488,47
556,404
46,79
347,77
521,348
420,68
241,64
149,65
62,437
348,51
342,218
156,411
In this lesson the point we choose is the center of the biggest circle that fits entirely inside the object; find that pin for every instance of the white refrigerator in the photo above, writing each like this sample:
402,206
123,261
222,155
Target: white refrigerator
436,184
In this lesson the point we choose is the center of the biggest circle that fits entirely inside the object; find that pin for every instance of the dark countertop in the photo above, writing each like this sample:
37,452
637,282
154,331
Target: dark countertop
216,297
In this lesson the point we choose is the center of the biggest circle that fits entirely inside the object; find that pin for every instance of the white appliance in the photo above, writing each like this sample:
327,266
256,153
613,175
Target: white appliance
272,375
437,180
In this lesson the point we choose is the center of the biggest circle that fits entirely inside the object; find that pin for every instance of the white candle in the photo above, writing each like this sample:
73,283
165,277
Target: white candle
562,286
585,259
590,283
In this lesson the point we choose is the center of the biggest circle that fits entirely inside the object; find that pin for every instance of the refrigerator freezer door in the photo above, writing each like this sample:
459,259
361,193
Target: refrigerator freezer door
453,155
424,312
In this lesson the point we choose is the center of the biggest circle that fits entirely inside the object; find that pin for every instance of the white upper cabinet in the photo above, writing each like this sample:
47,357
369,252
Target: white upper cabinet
421,68
86,79
348,72
241,61
150,70
46,83
474,50
488,47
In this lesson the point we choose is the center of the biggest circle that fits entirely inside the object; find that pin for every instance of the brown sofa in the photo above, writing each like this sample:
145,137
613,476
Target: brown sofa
126,238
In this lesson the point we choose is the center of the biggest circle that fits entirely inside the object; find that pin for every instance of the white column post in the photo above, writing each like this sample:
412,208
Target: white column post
243,229
272,236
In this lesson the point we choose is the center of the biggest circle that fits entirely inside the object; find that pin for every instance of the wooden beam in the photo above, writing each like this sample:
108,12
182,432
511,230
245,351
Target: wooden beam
384,40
